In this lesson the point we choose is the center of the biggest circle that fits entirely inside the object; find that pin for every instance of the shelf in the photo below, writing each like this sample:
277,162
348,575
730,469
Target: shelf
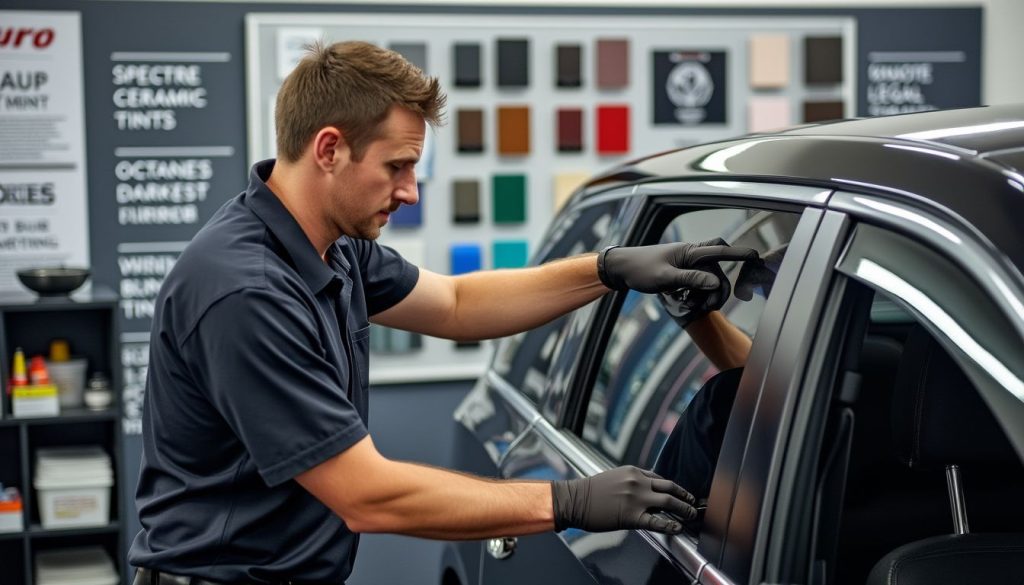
37,530
70,415
85,298
11,535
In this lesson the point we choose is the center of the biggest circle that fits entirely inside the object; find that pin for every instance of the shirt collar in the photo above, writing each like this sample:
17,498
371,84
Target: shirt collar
265,204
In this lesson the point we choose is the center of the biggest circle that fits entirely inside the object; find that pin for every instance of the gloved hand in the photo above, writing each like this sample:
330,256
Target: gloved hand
623,498
687,305
666,267
759,274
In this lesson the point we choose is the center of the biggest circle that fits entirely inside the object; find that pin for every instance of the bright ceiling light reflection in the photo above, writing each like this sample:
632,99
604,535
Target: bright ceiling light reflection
716,160
963,130
922,303
930,151
910,216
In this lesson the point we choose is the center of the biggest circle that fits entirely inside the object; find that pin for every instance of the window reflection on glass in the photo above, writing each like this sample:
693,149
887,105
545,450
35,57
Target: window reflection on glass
523,359
653,379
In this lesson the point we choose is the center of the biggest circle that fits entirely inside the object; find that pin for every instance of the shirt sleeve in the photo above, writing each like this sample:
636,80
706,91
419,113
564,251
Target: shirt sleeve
258,356
387,277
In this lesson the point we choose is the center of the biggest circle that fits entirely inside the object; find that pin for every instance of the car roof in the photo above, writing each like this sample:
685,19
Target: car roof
967,164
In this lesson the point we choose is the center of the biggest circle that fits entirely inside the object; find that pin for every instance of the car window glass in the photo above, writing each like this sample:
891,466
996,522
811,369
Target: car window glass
523,359
657,401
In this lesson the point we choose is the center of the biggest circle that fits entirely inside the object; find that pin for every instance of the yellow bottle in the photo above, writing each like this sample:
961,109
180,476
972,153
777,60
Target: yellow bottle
19,374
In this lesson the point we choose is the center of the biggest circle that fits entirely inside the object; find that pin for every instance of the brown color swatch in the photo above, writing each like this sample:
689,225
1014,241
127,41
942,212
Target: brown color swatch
470,124
570,129
567,59
612,63
823,60
514,130
822,111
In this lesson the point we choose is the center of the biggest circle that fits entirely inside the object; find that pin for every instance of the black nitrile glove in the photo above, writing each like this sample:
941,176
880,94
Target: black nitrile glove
624,498
665,267
687,305
759,275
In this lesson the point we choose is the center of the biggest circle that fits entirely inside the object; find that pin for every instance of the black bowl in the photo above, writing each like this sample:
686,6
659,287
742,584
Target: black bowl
53,281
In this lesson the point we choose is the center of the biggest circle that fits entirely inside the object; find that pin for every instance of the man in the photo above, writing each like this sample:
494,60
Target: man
257,465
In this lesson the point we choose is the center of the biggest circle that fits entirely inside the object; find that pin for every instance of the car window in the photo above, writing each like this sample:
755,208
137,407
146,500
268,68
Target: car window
523,359
657,401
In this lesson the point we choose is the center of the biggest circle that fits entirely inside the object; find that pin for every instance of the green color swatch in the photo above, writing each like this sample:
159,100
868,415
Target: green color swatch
509,196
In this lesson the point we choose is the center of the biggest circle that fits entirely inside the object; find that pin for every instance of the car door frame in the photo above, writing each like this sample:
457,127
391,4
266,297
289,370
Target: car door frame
810,201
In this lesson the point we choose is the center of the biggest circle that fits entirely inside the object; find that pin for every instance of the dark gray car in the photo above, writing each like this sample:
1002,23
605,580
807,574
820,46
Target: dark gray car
874,433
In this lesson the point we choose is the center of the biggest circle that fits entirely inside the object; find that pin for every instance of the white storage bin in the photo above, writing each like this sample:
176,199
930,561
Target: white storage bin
73,485
75,566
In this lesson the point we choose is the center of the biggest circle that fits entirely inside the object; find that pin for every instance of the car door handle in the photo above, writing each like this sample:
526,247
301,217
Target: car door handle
501,548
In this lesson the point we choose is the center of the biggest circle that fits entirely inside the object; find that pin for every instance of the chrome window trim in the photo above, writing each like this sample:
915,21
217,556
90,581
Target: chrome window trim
1000,279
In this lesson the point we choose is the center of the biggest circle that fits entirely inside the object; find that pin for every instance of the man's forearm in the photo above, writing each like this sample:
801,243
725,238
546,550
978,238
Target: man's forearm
427,502
721,341
497,303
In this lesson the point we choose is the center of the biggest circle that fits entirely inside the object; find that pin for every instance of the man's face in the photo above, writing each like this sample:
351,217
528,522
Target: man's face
371,189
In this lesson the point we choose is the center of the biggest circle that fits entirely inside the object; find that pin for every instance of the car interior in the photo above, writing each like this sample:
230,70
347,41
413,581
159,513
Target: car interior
929,489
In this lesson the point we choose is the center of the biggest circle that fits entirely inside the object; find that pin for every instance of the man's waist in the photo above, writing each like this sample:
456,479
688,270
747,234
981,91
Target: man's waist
145,576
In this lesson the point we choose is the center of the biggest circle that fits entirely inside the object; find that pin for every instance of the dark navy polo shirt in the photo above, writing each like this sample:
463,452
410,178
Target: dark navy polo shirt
257,372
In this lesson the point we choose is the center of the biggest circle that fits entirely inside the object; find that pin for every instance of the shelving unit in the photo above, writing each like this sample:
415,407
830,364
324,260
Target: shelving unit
88,320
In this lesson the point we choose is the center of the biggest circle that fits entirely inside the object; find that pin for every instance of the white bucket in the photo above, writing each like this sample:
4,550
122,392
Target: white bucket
69,378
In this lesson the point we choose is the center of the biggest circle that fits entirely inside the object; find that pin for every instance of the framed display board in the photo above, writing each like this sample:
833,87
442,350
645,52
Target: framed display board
538,103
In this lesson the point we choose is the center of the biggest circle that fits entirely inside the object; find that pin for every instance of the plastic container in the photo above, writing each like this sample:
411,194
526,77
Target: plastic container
73,485
75,566
69,377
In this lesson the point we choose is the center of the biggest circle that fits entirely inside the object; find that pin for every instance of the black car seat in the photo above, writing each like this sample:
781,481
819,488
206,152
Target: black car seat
939,421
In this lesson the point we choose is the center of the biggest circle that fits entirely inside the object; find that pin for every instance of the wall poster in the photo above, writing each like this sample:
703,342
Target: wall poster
43,213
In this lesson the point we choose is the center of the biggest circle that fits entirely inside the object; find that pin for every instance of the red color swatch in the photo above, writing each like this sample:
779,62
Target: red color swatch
612,129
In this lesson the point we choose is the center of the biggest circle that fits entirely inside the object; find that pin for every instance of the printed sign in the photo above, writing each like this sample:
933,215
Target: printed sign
689,87
43,212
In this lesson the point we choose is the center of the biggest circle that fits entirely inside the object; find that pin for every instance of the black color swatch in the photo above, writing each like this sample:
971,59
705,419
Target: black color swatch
513,62
467,65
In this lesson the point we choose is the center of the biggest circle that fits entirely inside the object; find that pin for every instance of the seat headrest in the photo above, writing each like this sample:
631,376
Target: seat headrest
938,417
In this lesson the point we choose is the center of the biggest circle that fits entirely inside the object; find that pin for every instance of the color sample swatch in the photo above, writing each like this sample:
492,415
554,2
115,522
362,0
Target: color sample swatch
823,111
565,185
510,254
513,62
567,61
508,195
767,113
823,60
514,130
415,53
470,123
467,65
466,201
570,129
409,216
612,63
769,61
465,258
612,129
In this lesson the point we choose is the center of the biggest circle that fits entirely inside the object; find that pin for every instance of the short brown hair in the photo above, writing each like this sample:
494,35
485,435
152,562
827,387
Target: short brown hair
352,86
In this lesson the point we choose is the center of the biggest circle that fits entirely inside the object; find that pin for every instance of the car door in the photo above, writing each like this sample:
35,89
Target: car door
605,419
837,494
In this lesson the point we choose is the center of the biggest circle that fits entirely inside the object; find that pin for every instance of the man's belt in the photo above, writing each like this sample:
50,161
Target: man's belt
149,577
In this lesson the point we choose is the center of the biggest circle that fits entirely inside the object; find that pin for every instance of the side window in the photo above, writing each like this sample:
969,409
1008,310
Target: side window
523,359
657,401
935,418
